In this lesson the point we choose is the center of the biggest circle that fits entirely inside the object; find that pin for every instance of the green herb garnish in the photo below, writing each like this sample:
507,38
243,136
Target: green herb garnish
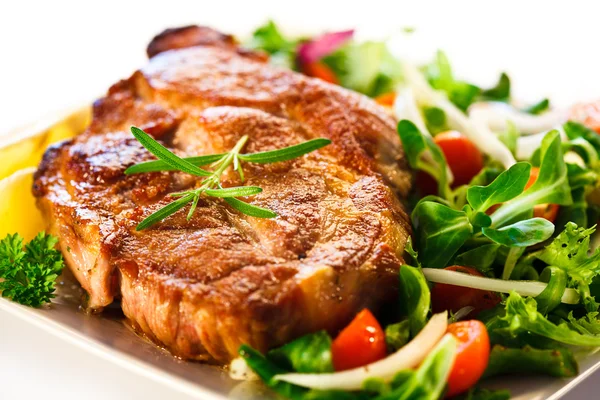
28,275
211,185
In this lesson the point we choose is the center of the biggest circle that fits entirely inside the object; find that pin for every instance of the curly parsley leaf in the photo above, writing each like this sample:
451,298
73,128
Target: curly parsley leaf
29,274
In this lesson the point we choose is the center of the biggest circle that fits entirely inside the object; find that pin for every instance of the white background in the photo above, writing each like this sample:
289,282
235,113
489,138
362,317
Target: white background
58,54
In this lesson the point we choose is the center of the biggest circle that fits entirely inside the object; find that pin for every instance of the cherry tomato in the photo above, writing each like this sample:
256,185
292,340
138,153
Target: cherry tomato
587,114
453,298
463,157
321,71
472,355
386,99
360,343
547,211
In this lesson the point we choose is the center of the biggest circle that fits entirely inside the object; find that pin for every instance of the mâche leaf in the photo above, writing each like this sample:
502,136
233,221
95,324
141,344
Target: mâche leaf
500,92
417,147
538,108
415,297
481,258
430,378
505,187
310,353
550,297
439,231
397,335
551,186
575,130
522,233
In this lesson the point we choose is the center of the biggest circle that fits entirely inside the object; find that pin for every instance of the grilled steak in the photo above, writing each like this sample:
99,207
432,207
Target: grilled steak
201,288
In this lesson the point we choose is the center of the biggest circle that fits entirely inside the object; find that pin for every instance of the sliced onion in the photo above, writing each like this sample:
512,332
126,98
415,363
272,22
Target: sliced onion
496,115
239,370
477,132
405,107
527,145
316,49
409,356
524,288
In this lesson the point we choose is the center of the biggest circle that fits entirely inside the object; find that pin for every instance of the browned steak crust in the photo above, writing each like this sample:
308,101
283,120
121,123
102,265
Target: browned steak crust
206,286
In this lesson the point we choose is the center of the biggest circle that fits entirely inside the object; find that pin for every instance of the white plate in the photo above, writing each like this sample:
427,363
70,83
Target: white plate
537,43
109,336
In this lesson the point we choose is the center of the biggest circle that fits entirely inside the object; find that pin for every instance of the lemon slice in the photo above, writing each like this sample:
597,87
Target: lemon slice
24,148
18,212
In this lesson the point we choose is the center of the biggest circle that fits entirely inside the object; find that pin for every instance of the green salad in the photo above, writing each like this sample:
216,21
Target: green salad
501,273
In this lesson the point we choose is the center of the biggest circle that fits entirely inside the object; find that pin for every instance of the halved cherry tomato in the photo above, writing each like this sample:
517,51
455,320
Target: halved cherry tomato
386,99
360,343
472,355
453,298
587,114
547,211
463,157
321,71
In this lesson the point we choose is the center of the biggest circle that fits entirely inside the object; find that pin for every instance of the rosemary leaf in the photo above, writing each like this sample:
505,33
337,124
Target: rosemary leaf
287,153
164,154
160,165
238,191
164,212
249,209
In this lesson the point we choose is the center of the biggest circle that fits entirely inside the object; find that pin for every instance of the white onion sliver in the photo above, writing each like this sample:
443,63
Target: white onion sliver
405,107
527,145
496,115
239,370
478,133
409,356
524,288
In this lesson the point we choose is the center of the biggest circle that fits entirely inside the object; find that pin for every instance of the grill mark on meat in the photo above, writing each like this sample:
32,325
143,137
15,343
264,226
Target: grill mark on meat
202,287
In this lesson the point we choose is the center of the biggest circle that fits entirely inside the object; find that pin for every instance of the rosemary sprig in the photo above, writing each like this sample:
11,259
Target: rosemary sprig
211,185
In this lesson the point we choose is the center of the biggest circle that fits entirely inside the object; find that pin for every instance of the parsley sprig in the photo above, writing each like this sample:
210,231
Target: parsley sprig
28,275
211,184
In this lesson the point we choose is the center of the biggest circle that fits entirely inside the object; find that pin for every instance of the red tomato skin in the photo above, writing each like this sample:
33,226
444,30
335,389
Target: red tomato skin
587,114
463,157
426,184
472,355
386,99
360,343
319,70
453,298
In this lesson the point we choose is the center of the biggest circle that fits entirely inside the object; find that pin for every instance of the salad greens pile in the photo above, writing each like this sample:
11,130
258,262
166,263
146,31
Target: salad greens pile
543,268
